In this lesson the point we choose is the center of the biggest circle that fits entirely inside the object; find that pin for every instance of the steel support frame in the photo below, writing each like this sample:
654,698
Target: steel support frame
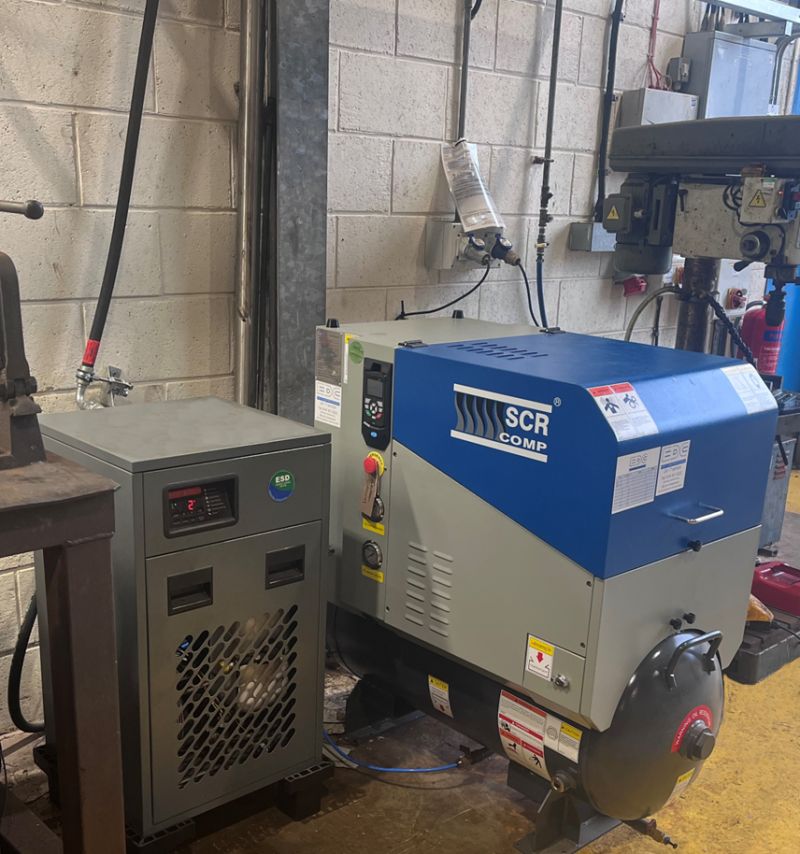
67,512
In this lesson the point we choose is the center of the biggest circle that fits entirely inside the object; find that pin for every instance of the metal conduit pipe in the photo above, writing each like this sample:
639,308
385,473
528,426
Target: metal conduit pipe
782,46
248,200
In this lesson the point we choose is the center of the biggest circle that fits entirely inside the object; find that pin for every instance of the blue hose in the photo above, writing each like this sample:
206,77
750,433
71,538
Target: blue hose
338,750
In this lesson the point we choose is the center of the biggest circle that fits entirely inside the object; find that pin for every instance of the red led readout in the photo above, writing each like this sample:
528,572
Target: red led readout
185,493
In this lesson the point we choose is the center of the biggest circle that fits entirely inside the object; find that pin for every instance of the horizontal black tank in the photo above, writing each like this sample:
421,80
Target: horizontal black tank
664,727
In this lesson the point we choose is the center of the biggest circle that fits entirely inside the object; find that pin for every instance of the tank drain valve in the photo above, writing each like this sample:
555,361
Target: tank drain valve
648,827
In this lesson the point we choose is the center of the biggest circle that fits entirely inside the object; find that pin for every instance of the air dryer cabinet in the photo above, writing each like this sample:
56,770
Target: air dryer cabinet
219,620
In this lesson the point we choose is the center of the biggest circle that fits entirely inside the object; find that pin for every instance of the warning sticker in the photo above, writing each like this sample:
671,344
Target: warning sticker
440,695
758,200
328,403
636,479
613,213
374,574
374,527
755,396
682,783
522,726
539,657
698,713
672,468
624,410
525,730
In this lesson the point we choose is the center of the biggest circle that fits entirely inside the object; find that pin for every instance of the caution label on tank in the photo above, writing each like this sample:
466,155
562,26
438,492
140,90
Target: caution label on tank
440,695
624,410
522,726
751,389
525,730
682,783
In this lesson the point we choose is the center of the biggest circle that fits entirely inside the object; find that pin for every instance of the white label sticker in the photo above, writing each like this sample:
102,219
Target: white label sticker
539,657
635,481
440,696
624,410
328,403
745,380
672,468
522,726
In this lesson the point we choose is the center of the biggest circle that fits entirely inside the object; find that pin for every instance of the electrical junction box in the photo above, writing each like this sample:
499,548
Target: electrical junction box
656,106
731,75
218,561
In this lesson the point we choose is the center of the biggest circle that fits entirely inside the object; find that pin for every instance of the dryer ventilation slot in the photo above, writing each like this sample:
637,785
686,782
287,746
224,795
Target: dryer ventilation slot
236,690
429,589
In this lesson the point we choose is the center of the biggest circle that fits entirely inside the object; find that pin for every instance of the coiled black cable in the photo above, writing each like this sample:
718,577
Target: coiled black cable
15,672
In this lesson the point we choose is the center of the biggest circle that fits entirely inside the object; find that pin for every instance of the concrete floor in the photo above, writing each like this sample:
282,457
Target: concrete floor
745,802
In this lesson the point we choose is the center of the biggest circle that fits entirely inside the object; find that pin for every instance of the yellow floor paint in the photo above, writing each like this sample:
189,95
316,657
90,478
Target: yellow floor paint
746,801
793,504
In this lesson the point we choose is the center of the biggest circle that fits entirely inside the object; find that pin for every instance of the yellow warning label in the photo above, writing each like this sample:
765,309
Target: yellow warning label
758,200
375,527
571,731
374,574
613,213
540,645
684,778
438,683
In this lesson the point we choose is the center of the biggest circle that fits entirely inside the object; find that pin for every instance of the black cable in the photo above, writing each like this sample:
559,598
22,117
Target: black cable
540,291
617,16
5,782
404,314
657,322
528,292
125,184
15,672
475,9
546,194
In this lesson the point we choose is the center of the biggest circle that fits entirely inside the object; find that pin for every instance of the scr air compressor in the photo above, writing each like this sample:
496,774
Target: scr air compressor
546,540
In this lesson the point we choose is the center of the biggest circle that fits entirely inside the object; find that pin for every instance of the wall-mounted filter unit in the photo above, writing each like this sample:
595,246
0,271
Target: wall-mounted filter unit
221,533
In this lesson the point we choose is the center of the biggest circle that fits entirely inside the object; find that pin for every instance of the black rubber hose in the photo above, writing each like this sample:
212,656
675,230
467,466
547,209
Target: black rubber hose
544,206
125,184
617,16
15,672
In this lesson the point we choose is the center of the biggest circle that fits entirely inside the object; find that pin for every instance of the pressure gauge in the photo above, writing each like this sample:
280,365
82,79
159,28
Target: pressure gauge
371,554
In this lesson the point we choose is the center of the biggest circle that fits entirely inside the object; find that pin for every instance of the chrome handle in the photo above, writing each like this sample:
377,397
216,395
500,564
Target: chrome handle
716,513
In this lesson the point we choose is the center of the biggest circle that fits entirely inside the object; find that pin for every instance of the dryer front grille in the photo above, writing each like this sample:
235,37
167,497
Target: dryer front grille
235,690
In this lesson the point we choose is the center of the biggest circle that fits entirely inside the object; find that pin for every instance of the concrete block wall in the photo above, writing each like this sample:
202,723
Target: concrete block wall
394,87
66,73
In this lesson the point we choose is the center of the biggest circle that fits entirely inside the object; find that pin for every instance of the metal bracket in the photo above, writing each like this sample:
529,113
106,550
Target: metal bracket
772,10
20,438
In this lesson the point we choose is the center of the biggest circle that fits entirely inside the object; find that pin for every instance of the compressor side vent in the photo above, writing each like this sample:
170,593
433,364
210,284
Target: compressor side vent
236,690
429,589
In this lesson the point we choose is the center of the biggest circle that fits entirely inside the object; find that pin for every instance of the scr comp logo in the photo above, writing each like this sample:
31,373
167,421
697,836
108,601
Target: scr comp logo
505,423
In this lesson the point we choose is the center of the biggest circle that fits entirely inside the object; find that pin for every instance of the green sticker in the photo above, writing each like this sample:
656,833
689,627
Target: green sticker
356,352
281,485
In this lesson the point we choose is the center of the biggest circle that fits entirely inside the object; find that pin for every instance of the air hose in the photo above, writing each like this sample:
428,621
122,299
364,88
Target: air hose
380,768
85,373
15,672
617,16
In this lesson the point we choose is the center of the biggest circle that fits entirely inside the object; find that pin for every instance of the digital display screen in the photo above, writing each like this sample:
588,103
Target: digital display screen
374,387
199,506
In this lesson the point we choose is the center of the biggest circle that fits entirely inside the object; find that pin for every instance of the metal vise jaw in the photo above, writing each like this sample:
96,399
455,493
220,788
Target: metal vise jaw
20,438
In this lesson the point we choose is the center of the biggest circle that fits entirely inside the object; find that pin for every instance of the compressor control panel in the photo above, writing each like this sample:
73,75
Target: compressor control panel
190,507
376,414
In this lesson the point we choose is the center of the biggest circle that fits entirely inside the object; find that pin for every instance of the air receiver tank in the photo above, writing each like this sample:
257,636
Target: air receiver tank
664,727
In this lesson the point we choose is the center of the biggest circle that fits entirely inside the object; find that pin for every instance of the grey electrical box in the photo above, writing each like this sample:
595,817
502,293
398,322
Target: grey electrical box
656,106
731,75
221,540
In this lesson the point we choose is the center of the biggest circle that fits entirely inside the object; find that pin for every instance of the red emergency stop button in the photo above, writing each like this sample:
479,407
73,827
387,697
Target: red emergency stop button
370,465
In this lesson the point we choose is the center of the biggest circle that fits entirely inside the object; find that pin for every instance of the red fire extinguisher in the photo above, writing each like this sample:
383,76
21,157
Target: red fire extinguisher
762,331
